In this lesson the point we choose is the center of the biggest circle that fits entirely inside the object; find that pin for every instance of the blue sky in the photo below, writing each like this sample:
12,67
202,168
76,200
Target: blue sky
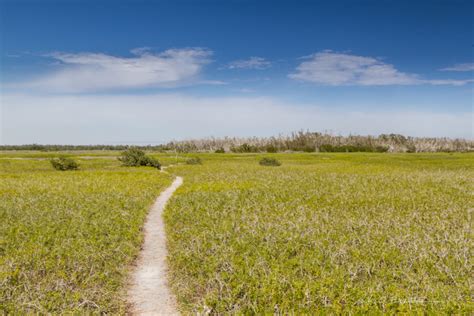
108,71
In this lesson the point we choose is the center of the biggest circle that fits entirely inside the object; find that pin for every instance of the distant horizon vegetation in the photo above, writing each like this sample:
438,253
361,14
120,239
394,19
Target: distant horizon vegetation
301,141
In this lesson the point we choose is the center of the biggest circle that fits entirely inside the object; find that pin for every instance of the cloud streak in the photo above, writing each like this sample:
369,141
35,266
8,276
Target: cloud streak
340,69
460,67
91,72
251,63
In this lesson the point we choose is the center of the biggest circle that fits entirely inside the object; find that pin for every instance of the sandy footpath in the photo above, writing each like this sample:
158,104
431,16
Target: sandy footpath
149,293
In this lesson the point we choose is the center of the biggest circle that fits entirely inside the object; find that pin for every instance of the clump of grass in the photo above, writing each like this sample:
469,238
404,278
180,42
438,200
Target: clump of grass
64,164
269,162
194,161
134,157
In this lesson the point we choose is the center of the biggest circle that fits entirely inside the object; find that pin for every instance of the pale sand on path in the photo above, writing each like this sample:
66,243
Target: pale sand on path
149,293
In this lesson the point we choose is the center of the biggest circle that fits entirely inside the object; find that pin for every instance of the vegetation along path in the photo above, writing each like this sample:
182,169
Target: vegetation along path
149,293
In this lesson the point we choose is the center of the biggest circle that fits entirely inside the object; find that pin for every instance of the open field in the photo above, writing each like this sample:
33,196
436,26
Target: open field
323,232
68,238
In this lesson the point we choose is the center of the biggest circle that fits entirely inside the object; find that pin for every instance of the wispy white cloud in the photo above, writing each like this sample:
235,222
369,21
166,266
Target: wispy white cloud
140,50
337,69
460,67
85,118
89,72
251,63
451,82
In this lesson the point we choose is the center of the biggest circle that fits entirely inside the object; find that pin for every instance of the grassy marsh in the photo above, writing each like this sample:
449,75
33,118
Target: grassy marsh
323,232
326,232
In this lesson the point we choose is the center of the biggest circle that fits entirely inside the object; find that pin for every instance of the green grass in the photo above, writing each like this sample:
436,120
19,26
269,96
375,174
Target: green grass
335,233
67,239
356,233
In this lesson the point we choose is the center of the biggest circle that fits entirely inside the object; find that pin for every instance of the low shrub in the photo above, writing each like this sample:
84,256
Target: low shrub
307,149
134,157
244,148
271,149
326,148
64,163
352,148
194,161
411,149
381,149
220,151
269,162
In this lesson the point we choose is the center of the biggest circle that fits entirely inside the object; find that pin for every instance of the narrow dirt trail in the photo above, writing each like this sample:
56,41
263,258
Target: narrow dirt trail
149,293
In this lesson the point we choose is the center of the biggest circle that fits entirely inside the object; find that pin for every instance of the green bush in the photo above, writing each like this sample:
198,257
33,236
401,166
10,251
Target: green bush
352,148
411,149
220,151
64,163
271,149
134,157
194,161
244,148
269,162
307,149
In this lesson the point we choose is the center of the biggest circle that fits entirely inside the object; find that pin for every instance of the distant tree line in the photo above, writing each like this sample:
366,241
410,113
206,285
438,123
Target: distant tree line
302,141
77,147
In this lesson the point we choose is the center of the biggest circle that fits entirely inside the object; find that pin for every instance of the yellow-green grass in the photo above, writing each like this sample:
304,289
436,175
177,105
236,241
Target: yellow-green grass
381,233
7,154
323,232
68,239
83,154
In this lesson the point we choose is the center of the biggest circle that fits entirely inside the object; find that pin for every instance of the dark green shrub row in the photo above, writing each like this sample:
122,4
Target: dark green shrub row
245,148
76,147
352,148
